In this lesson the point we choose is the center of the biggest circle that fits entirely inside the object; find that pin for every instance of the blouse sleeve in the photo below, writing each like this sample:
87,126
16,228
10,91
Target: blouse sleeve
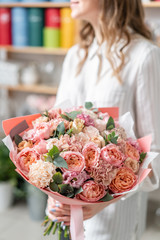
148,109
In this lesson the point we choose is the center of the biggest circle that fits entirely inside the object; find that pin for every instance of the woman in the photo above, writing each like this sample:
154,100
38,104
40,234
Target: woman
115,64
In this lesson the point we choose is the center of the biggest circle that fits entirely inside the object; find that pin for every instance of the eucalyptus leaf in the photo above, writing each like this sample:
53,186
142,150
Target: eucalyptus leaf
49,159
78,190
60,162
72,115
18,139
53,151
65,117
58,178
106,198
114,140
66,190
88,105
61,128
54,187
110,124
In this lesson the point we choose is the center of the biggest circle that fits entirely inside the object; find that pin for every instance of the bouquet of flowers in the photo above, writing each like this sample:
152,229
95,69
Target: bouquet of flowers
78,156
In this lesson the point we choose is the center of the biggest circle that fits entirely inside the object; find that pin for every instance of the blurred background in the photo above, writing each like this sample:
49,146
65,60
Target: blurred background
34,38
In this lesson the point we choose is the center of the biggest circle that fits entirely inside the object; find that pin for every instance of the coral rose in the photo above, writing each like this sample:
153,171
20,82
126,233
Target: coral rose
91,154
92,192
112,155
25,158
124,181
131,151
41,146
75,161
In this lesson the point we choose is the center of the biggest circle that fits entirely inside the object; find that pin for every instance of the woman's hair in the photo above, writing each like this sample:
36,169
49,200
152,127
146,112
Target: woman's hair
116,18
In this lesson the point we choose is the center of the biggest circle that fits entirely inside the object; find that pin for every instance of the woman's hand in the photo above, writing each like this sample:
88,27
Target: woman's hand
61,212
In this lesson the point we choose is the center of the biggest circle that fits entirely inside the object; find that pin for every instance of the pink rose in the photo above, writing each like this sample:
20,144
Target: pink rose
29,135
100,124
75,161
91,131
103,116
25,158
135,144
55,122
88,121
42,131
124,181
54,113
112,155
92,192
75,179
91,154
41,146
131,151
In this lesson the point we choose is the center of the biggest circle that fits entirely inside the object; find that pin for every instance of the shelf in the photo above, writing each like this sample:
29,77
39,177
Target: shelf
42,89
35,50
151,5
39,5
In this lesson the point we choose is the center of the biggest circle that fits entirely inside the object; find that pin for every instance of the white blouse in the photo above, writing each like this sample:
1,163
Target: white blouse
140,95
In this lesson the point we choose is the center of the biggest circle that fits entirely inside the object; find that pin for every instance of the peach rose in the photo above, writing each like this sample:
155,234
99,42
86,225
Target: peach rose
92,192
91,131
25,144
91,154
25,158
124,181
112,155
132,164
131,151
75,161
42,131
100,125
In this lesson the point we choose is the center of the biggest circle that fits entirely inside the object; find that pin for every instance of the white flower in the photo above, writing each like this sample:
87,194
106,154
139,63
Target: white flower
41,173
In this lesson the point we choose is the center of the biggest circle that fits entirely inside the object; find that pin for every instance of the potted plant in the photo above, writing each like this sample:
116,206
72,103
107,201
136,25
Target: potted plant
8,178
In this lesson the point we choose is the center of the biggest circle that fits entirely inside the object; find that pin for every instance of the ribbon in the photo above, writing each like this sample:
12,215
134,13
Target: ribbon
76,227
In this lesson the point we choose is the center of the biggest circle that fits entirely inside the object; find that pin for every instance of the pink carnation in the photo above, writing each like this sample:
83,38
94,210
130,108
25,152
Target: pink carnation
55,122
92,192
88,121
75,179
75,161
25,158
91,154
112,155
103,173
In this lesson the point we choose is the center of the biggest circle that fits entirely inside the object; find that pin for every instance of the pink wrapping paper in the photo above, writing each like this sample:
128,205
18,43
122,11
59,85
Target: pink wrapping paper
76,227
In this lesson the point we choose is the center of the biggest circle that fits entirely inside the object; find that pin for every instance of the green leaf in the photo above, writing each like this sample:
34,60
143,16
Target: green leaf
110,124
78,190
69,132
142,156
114,140
106,198
54,187
66,190
45,114
53,151
88,105
58,178
106,140
18,139
61,128
72,115
65,117
48,159
60,162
